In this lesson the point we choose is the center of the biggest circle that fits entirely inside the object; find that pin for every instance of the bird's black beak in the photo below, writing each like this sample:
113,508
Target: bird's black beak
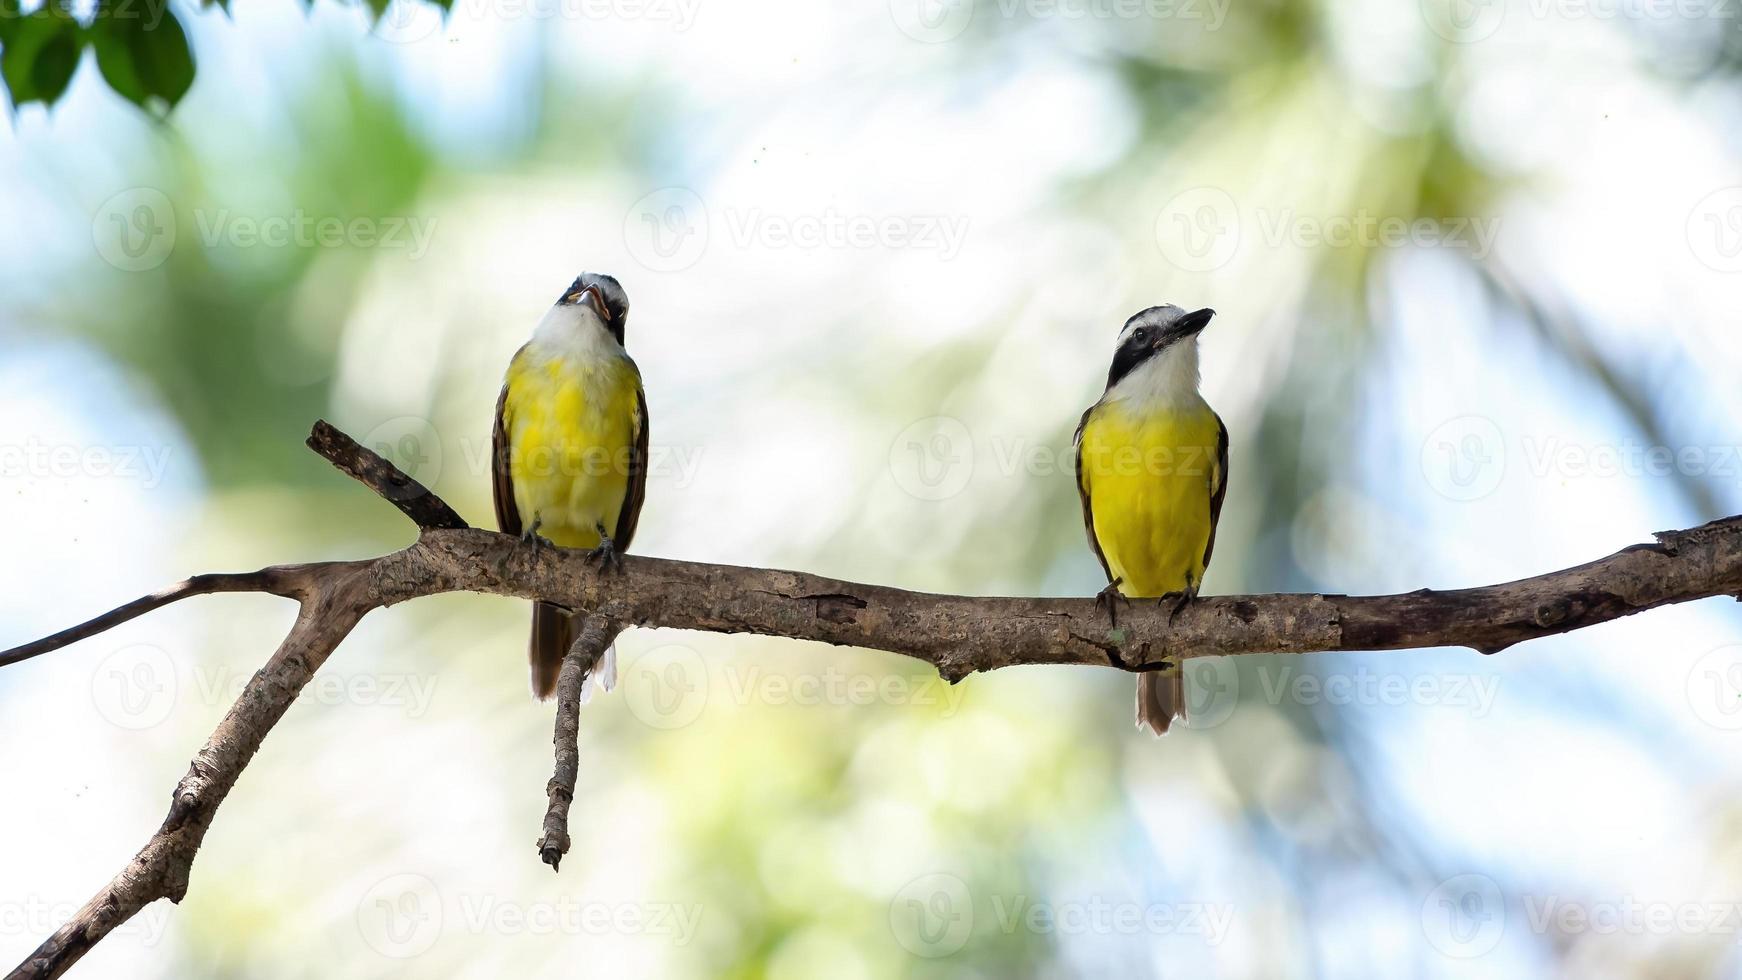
1191,324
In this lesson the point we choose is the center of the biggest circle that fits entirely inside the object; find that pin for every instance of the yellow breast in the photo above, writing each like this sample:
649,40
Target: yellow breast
572,422
1149,474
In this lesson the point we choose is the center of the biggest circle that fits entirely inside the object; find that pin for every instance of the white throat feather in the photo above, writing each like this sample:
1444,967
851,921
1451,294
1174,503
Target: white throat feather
1169,378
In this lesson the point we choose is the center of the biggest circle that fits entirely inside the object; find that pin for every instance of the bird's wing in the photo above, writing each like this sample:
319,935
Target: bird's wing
1083,494
637,489
1218,486
501,477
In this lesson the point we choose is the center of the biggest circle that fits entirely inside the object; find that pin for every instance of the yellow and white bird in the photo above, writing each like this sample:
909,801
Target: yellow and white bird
1152,469
570,449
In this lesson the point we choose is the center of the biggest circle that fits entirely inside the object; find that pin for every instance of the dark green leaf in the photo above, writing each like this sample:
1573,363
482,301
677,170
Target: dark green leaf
144,58
115,61
54,65
11,18
39,56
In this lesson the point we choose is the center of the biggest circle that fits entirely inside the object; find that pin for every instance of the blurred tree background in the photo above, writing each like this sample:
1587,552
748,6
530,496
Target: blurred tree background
1477,273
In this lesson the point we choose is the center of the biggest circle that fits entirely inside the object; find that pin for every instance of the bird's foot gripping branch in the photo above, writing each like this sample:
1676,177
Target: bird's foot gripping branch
958,634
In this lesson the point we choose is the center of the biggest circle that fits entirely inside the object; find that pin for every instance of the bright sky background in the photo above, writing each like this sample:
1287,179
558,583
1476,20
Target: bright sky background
784,383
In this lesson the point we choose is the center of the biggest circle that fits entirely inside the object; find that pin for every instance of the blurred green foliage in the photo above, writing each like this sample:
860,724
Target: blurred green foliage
140,48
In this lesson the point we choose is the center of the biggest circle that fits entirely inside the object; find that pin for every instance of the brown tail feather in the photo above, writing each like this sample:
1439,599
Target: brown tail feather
553,631
1161,697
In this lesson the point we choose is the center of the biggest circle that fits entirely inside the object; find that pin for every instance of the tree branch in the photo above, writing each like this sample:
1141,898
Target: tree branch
958,634
597,633
289,581
413,499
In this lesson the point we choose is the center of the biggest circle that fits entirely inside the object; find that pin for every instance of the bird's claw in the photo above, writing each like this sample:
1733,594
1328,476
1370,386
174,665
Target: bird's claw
1109,599
606,553
530,538
1176,601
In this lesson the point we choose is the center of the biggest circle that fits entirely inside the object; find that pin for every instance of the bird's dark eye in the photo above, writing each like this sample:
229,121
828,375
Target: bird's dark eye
1141,336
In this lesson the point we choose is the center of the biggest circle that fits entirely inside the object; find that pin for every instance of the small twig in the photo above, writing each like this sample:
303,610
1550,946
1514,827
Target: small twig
289,581
597,633
413,499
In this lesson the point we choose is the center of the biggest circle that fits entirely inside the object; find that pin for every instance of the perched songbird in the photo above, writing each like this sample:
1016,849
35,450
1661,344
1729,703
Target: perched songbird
1152,468
570,448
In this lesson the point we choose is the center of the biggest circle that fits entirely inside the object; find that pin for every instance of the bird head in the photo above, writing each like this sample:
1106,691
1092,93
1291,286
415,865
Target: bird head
604,296
1159,337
